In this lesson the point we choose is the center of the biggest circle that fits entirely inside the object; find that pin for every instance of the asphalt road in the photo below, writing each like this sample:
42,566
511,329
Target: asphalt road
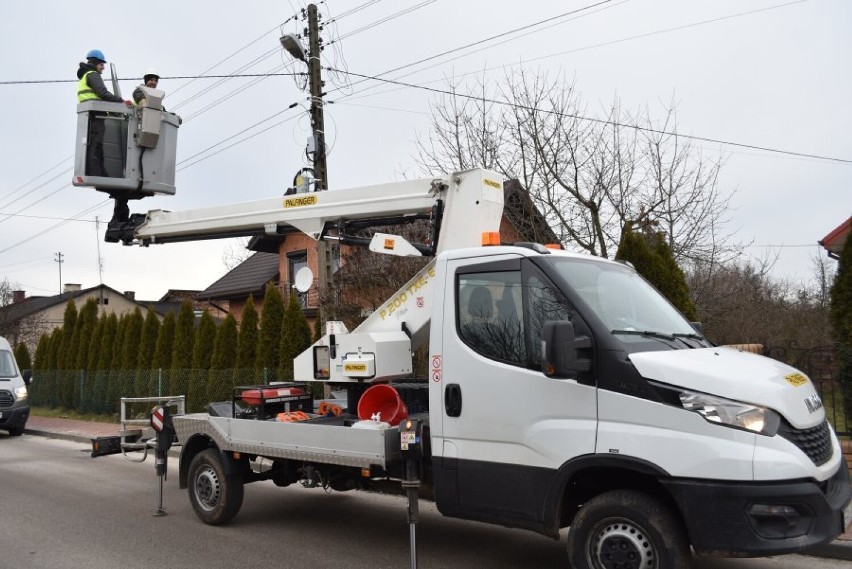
61,509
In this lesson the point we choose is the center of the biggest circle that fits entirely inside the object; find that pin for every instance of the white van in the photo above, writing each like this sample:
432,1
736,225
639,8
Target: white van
14,405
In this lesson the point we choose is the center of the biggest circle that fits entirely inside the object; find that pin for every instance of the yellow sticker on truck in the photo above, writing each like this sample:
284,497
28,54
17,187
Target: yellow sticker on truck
492,183
300,201
355,368
796,379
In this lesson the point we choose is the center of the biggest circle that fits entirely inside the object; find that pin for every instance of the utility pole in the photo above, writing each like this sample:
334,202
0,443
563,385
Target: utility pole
59,260
316,85
325,271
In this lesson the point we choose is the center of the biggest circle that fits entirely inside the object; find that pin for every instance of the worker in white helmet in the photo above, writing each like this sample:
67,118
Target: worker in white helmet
150,79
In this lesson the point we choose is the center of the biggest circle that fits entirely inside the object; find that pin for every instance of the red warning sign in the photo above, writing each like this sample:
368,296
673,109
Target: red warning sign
157,419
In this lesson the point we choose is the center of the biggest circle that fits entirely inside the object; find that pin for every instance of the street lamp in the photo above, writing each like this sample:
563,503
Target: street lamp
293,46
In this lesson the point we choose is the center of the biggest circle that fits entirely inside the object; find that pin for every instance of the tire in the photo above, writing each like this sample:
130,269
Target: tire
16,431
215,496
626,529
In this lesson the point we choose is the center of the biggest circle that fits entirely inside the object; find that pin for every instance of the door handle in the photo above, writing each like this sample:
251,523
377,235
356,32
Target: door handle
453,399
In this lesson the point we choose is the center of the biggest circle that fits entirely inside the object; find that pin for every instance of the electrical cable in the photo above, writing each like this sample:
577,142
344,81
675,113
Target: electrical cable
383,20
54,192
57,226
606,122
43,184
353,11
224,140
19,188
254,41
237,142
364,92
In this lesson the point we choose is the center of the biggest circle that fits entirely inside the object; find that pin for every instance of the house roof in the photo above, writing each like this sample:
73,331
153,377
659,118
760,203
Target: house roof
35,304
522,213
249,277
836,239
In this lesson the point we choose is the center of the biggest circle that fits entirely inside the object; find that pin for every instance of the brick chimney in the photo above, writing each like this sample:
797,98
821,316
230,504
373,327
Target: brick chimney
130,294
18,296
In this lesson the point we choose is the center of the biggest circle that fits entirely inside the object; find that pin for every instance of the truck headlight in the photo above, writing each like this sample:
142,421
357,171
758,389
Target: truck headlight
21,392
732,413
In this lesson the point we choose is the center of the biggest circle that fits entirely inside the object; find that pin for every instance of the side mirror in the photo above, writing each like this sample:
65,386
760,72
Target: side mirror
559,350
27,375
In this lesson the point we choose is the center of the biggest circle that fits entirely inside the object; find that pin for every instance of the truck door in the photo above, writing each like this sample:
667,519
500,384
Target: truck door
505,426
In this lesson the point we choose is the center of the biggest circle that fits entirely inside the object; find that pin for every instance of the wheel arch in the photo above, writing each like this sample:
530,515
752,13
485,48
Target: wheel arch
192,447
583,478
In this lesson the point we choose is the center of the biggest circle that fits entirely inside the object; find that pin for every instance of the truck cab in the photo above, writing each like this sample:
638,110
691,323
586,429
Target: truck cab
14,405
560,379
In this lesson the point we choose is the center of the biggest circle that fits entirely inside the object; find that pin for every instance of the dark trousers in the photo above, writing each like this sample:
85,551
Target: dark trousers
95,148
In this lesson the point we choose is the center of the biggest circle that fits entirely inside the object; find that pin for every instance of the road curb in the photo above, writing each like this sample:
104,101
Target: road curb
837,549
83,439
54,435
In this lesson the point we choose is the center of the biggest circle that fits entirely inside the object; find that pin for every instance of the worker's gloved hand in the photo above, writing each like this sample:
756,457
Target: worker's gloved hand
128,103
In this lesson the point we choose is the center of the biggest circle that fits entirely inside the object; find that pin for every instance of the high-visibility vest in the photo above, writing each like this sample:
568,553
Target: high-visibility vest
84,92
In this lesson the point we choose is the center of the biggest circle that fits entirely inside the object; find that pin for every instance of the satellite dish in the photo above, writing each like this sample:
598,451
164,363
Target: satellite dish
304,279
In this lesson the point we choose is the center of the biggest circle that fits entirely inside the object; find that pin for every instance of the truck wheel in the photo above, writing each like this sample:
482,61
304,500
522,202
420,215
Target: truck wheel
626,529
16,431
215,496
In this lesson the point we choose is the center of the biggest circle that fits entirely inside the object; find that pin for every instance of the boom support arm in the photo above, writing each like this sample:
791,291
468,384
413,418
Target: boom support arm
471,202
462,205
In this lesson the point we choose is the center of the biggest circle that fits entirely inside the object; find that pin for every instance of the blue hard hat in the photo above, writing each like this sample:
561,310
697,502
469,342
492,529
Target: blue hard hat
96,54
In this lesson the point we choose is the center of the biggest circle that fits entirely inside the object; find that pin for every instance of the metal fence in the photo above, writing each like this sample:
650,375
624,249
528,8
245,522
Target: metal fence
100,392
822,364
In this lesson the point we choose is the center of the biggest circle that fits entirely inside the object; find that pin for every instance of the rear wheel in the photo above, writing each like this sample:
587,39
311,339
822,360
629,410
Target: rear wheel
215,496
626,529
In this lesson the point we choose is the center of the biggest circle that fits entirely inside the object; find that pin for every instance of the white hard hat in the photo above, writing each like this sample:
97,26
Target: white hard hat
151,71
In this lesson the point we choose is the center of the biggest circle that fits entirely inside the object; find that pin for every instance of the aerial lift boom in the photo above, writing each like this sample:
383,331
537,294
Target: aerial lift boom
460,208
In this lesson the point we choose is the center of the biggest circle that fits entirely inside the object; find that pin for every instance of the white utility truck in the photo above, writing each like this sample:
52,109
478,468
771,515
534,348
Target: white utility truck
563,391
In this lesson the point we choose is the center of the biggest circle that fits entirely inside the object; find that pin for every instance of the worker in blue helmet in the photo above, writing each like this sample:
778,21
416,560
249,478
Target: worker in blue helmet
90,86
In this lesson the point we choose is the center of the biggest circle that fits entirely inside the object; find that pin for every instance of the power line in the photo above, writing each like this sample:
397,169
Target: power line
602,121
584,48
246,46
54,192
236,134
383,20
19,188
353,10
52,227
237,142
47,217
40,186
564,18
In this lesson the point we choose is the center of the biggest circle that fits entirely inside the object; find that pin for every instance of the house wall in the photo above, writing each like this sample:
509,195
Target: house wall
53,317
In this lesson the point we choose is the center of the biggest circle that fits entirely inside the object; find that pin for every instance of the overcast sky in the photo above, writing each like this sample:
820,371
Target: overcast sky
764,73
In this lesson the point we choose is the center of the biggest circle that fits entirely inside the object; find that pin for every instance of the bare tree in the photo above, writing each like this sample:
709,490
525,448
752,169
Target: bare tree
7,290
589,177
236,253
19,330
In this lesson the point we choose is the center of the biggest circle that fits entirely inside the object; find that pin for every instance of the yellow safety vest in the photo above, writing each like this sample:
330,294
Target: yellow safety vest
84,92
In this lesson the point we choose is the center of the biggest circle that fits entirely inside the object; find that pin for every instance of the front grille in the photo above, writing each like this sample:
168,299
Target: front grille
6,398
814,442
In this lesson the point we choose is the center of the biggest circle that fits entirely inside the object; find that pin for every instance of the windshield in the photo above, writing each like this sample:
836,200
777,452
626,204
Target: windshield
621,299
7,364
